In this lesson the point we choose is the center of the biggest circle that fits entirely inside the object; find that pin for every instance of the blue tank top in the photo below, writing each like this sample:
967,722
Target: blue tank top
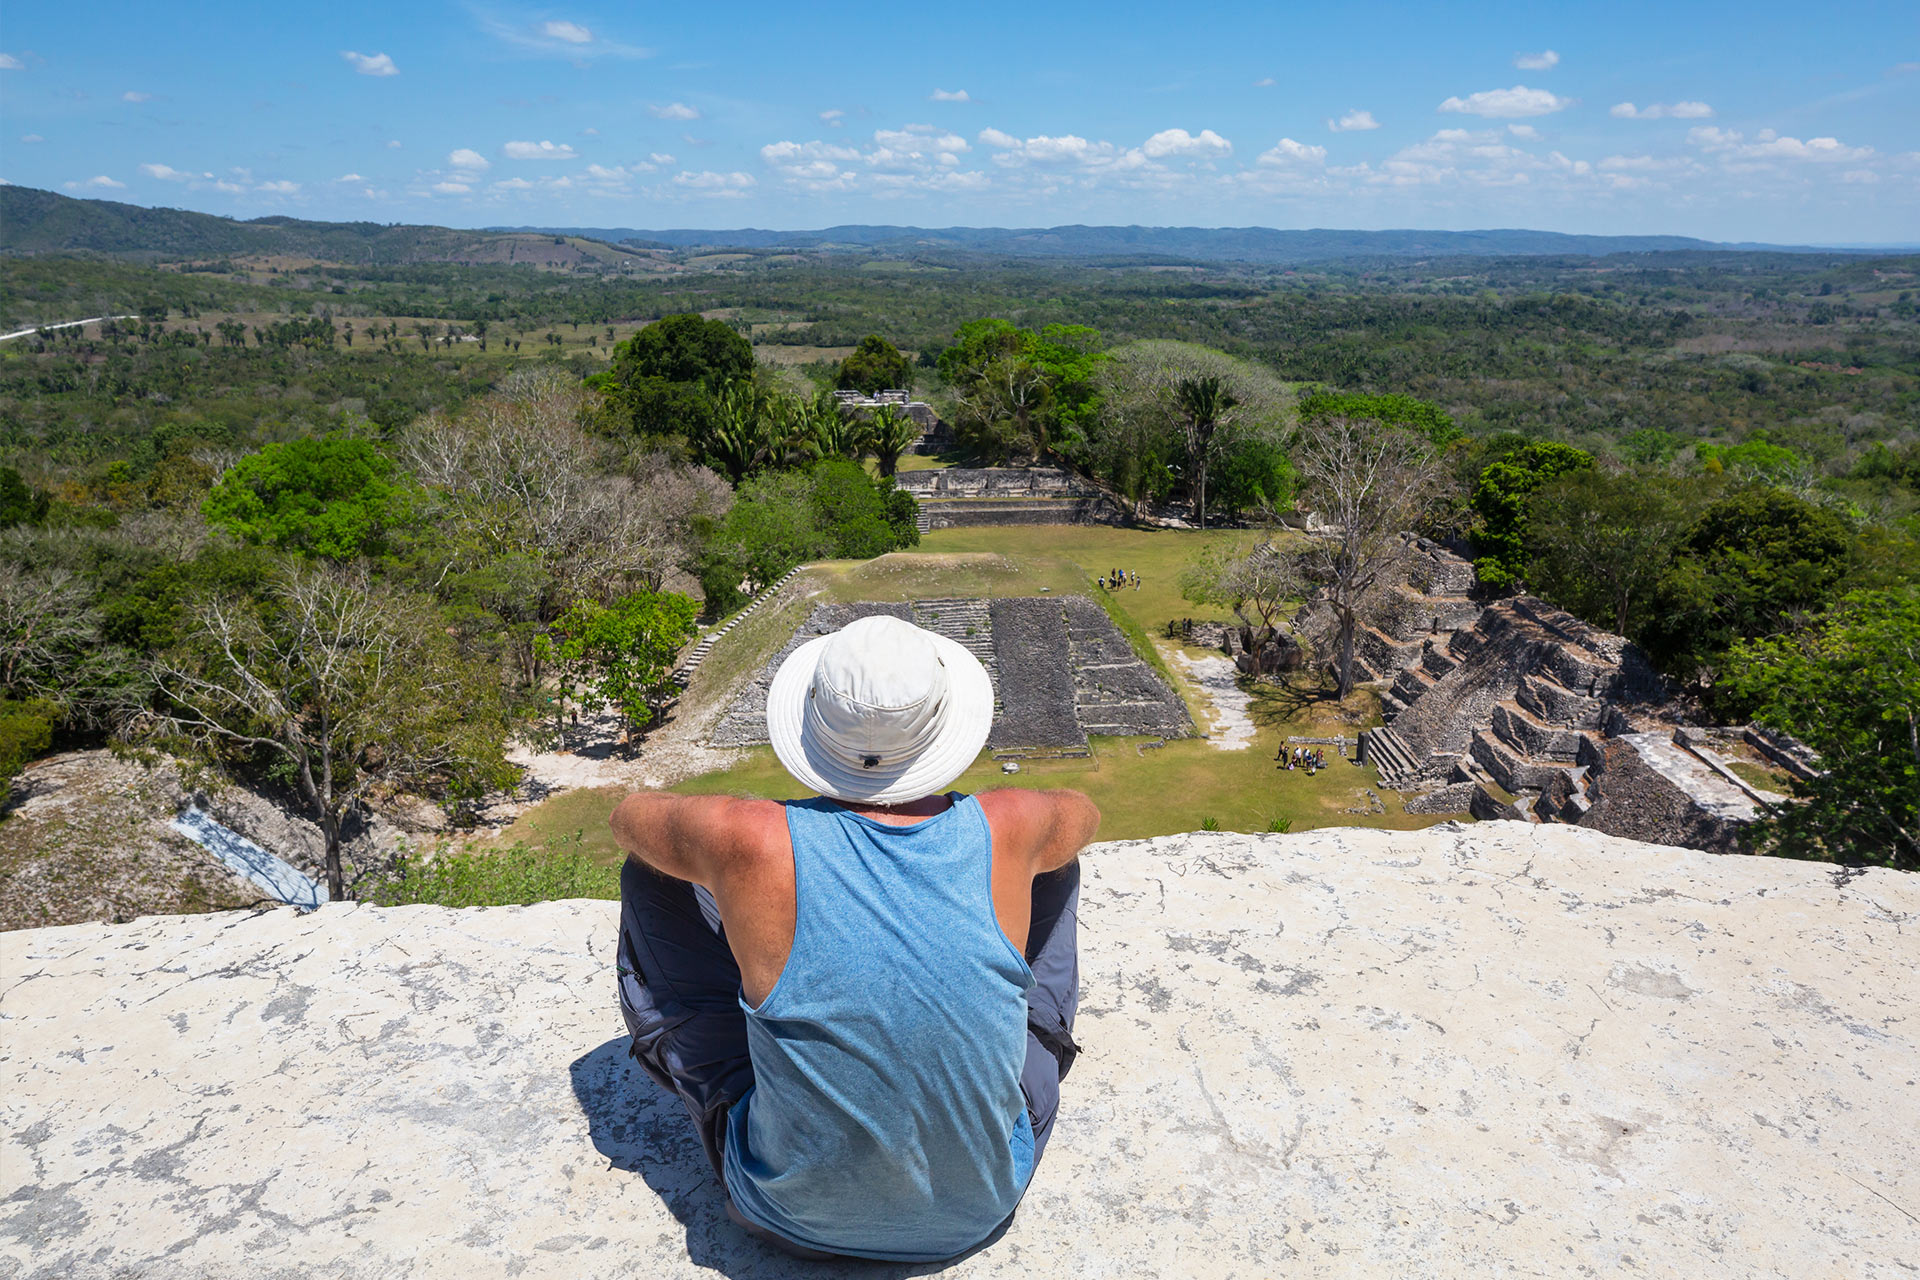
886,1118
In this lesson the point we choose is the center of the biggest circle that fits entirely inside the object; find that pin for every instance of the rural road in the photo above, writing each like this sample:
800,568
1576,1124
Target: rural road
70,324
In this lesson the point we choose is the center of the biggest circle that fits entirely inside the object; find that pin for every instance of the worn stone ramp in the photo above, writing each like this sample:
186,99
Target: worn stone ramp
1504,1050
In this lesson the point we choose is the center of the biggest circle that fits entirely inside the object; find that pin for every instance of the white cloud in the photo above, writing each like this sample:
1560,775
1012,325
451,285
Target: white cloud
101,182
451,188
1068,148
279,188
10,63
832,117
569,32
661,158
558,38
589,132
1178,142
1661,111
1506,104
393,144
134,95
997,139
601,173
349,177
1768,145
468,158
1526,131
949,95
1287,151
539,151
1545,60
674,111
370,64
231,188
513,184
167,173
1354,122
31,138
709,183
1265,82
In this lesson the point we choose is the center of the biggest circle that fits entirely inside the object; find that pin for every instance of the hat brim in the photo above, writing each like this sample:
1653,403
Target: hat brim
958,743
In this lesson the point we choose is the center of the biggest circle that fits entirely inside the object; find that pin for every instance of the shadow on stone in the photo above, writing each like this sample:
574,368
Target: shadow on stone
640,1128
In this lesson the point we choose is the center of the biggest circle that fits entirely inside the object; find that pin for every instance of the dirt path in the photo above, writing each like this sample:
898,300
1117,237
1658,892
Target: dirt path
1227,704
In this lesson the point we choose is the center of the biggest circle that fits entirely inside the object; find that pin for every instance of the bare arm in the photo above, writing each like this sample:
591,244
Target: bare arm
696,838
1051,827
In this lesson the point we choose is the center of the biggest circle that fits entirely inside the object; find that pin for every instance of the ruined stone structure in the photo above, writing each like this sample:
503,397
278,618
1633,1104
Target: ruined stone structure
1424,601
1532,714
962,497
1060,669
1498,1050
1516,709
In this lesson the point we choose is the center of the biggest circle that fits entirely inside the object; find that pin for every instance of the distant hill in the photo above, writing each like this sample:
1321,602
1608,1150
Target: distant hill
33,221
1191,244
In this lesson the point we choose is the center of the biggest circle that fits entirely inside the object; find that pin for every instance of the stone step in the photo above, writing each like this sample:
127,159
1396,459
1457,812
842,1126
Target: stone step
1388,752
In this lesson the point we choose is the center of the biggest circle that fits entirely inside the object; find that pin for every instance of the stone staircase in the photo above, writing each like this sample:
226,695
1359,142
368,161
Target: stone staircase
698,654
1389,754
922,521
968,623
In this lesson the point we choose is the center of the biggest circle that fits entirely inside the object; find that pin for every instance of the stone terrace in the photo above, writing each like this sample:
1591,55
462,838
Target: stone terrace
1501,1050
1060,668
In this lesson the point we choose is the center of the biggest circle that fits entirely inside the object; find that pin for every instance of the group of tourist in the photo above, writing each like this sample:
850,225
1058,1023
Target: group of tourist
1119,580
1311,759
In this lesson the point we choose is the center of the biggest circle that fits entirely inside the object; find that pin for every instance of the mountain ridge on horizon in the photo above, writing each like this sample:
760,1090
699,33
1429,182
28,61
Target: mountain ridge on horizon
37,221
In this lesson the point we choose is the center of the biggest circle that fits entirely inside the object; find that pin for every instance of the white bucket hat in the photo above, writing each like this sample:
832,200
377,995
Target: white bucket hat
879,712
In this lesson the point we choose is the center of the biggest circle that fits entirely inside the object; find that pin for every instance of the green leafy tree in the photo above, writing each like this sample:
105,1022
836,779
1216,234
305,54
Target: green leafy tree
20,503
341,689
1755,564
1599,543
890,433
875,365
1206,406
330,496
623,652
1500,501
1018,392
1849,687
26,730
771,527
685,348
1430,420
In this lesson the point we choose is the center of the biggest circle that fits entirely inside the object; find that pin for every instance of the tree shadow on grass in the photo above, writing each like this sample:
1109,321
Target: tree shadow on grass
1287,700
641,1128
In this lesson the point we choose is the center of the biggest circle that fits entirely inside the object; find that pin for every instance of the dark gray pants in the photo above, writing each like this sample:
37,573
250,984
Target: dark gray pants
680,995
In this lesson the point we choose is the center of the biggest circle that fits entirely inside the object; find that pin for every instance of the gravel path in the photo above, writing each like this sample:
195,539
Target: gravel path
1228,704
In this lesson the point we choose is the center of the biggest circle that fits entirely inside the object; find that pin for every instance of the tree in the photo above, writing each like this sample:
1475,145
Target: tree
1020,392
875,365
330,496
343,690
20,503
1757,563
1256,583
1369,481
1430,420
1205,407
625,651
771,527
1599,543
26,730
889,434
1849,687
1500,499
684,348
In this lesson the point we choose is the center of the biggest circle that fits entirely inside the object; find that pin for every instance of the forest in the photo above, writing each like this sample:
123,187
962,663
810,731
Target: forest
507,491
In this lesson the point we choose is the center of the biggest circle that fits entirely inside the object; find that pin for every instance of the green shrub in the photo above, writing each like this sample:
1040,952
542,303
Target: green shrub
513,876
1209,824
1280,826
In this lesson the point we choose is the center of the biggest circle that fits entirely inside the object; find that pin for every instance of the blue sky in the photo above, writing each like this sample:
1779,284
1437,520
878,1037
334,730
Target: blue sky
1735,122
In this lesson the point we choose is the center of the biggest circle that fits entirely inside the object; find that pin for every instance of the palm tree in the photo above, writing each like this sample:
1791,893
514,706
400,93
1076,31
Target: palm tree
890,433
837,434
1204,404
742,439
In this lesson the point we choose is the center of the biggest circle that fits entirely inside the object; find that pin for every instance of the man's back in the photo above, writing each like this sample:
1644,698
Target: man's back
887,1118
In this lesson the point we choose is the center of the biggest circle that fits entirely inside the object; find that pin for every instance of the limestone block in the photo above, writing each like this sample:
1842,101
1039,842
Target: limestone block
1499,1050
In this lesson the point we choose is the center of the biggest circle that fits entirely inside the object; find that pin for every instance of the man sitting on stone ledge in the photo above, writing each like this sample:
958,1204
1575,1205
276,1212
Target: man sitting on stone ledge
866,1001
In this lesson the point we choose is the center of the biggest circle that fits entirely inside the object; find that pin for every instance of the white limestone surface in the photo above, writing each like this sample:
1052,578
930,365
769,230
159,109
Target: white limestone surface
1502,1050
